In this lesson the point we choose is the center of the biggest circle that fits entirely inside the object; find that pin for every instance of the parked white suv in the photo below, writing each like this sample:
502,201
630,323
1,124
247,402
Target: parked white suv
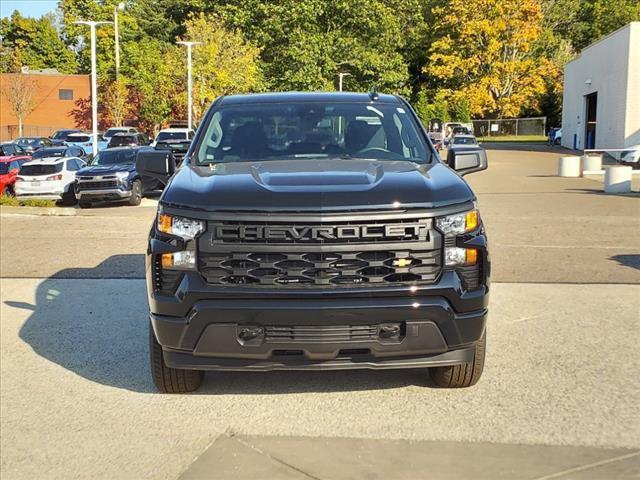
173,134
49,179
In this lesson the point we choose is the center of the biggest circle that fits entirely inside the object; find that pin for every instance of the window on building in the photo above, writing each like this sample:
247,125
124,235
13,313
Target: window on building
65,94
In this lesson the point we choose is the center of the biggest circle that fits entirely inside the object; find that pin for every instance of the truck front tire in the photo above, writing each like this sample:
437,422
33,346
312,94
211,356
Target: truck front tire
464,374
170,380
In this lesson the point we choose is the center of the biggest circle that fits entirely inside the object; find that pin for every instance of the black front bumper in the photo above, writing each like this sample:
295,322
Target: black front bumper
201,327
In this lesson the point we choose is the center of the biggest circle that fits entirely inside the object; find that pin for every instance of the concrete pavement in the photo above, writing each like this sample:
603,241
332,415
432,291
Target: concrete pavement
77,400
559,397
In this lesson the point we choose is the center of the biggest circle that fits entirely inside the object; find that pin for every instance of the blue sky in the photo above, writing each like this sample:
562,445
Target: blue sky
28,8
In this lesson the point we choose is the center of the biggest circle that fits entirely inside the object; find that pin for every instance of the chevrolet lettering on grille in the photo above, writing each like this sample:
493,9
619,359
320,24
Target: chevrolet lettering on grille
320,233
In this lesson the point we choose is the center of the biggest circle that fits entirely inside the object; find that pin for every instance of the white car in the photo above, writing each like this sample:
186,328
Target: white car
631,157
49,179
172,134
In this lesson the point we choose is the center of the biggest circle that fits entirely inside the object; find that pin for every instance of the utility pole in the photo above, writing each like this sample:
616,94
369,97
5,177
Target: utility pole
340,77
120,7
94,82
189,45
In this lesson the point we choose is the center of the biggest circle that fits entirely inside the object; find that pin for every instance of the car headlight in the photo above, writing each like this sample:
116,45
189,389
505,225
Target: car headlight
122,176
186,228
458,223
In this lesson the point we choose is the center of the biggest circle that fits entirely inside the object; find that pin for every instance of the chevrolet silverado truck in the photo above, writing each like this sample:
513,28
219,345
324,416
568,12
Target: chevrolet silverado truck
315,231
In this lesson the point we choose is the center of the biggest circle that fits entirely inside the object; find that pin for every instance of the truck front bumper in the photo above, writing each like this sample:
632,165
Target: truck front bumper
207,328
115,194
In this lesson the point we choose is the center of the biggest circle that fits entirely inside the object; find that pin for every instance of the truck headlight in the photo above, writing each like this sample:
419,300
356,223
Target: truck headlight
186,228
458,223
122,176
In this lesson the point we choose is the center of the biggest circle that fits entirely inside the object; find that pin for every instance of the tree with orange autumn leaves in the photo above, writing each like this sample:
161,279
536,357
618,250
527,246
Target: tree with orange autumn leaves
484,55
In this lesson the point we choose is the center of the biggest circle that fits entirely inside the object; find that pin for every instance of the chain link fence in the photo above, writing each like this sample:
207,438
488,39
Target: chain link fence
511,127
10,132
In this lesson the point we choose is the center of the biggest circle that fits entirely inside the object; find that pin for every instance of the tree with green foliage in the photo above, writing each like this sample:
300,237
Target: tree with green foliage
223,64
34,43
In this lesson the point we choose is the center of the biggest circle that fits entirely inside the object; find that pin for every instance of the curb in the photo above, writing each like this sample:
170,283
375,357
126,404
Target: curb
44,211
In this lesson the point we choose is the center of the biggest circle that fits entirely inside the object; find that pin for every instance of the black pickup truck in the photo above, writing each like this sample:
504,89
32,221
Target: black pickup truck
315,231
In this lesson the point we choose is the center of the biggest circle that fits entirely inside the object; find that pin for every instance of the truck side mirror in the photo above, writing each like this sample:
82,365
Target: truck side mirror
467,160
157,164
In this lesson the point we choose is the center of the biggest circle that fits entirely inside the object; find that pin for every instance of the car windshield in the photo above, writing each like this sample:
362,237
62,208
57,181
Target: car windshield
78,138
61,134
119,140
36,169
171,136
115,157
464,141
112,131
6,150
27,142
49,153
276,131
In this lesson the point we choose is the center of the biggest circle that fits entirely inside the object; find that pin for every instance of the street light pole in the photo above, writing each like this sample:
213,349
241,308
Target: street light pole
120,7
340,77
189,45
94,82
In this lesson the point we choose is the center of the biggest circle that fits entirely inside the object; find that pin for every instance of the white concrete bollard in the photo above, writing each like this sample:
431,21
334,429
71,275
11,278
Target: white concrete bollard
591,163
617,179
569,166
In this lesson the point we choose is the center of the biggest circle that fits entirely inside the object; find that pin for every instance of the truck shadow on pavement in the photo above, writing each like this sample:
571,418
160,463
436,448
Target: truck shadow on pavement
95,325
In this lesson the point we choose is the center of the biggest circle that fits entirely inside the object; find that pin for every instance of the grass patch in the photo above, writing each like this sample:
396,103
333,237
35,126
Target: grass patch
515,139
29,202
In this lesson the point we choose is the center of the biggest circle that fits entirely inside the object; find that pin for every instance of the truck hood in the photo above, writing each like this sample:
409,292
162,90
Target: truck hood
106,169
315,185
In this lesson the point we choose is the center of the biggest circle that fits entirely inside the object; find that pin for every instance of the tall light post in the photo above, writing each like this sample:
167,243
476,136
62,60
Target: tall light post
119,7
94,82
340,77
189,45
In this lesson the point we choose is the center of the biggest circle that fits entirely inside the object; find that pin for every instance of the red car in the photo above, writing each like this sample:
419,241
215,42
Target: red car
12,157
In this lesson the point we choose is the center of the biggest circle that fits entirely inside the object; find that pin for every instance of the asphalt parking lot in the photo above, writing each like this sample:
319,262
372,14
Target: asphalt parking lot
559,397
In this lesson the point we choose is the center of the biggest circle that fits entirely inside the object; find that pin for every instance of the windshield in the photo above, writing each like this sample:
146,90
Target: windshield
7,150
78,138
119,140
126,156
112,131
48,169
464,141
171,136
62,134
27,142
49,153
311,130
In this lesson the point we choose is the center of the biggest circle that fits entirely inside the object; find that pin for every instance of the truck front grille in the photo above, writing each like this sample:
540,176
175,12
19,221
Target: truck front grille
320,268
97,185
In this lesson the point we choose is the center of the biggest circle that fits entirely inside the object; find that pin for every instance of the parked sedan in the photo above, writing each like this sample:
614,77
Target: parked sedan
59,152
49,179
85,141
31,144
128,140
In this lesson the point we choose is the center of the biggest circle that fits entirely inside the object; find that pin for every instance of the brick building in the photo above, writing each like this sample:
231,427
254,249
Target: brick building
55,98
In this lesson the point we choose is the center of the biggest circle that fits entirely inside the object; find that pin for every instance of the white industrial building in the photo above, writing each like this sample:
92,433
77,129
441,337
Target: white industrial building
601,102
